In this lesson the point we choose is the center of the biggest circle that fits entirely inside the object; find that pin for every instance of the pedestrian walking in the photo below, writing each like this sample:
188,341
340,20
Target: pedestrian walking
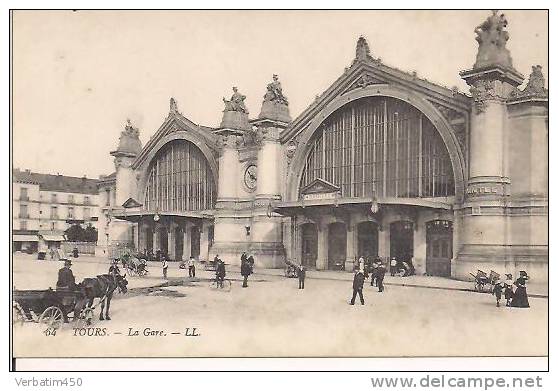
245,269
497,291
301,273
191,267
380,273
358,284
165,266
393,266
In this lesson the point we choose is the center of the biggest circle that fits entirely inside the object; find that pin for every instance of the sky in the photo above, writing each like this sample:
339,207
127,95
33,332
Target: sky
77,76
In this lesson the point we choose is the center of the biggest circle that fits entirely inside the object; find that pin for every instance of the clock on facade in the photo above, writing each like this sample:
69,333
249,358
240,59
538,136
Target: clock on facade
250,176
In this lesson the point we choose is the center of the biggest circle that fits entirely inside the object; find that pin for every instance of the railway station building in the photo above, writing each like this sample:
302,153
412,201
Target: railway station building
382,163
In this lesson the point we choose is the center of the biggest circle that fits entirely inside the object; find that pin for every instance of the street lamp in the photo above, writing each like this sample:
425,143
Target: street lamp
374,207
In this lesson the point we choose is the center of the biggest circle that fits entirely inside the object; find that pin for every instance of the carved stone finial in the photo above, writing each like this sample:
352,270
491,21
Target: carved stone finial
362,50
492,41
236,103
173,106
535,86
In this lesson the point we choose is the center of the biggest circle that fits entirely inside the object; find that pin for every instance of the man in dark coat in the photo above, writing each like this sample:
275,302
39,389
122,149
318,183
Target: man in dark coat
220,272
358,284
301,273
245,269
380,273
66,279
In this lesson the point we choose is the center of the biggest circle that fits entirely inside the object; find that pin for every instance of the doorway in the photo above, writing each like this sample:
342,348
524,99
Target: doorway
195,242
439,248
367,240
401,241
337,246
164,240
178,243
309,245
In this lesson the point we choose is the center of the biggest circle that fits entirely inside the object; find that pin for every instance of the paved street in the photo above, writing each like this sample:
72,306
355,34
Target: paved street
273,318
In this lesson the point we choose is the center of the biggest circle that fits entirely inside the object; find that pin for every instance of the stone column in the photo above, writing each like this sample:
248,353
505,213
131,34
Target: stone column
351,246
171,240
383,242
321,261
266,238
484,236
419,247
204,241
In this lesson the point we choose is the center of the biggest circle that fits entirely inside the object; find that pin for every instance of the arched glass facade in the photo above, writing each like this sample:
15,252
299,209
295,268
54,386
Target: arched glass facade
380,146
180,179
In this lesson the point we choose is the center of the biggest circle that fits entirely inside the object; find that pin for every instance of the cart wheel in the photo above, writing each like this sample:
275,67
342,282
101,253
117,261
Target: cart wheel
52,316
18,316
227,285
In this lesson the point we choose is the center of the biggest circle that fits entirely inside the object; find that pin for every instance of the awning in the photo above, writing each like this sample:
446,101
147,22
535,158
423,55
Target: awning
292,208
53,238
25,238
135,216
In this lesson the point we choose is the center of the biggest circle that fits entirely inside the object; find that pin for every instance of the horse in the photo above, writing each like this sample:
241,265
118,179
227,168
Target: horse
103,286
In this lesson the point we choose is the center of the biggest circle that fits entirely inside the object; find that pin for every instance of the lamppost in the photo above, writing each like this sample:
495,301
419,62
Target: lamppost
109,219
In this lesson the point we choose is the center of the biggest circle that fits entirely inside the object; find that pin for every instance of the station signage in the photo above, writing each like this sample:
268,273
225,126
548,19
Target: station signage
482,190
320,196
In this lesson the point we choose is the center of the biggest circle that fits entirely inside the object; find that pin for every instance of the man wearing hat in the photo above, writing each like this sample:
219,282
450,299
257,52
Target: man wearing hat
66,279
358,284
508,291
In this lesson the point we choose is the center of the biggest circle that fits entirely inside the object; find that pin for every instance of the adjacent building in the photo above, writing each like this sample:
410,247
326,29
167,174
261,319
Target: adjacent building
45,205
382,163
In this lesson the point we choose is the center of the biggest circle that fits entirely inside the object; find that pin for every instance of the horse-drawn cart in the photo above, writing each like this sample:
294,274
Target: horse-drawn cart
50,307
485,282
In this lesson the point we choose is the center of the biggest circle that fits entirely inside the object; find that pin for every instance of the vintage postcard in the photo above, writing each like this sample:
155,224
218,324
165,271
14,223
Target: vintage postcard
279,183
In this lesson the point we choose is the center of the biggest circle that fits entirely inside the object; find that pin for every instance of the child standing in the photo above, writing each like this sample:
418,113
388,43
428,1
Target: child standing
508,291
497,291
165,266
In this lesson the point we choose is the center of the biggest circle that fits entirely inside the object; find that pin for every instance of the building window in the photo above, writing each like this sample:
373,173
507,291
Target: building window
86,200
23,225
54,198
380,147
53,225
180,179
23,213
71,199
86,214
108,198
70,213
54,212
23,195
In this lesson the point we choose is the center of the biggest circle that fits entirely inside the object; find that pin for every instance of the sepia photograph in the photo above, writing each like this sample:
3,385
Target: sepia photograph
288,183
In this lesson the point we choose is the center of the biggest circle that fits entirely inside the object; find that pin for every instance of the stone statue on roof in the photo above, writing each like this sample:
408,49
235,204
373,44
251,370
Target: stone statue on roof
274,92
492,41
130,130
236,103
173,106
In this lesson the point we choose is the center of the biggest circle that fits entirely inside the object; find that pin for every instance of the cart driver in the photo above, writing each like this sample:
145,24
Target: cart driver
66,279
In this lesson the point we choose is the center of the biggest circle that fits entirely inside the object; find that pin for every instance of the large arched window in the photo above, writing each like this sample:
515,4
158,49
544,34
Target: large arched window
179,179
380,146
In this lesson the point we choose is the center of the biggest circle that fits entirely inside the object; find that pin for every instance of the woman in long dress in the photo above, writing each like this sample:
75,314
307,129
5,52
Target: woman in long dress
520,299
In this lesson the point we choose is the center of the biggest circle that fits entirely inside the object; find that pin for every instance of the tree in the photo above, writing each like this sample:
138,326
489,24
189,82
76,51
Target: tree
90,234
75,233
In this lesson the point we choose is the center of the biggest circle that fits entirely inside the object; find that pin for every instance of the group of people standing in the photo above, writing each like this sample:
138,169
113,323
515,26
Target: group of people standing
375,269
515,292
